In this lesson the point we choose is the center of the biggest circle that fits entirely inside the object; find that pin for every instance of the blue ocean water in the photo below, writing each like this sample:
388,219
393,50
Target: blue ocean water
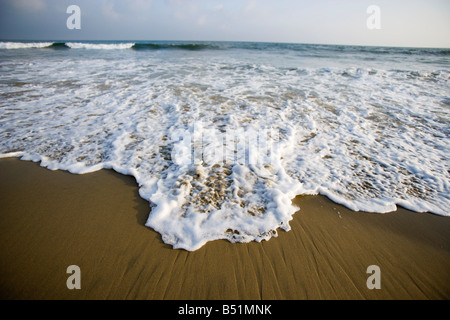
221,136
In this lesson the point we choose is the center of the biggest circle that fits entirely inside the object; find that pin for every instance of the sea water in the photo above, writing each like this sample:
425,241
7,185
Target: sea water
221,136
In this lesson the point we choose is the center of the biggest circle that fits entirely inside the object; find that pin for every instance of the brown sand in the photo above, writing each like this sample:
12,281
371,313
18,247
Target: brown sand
53,219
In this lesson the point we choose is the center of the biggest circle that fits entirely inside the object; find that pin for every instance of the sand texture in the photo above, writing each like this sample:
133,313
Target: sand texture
53,219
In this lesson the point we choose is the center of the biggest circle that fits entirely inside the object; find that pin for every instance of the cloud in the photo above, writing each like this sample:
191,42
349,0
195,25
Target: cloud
109,11
201,21
139,6
29,5
250,6
218,7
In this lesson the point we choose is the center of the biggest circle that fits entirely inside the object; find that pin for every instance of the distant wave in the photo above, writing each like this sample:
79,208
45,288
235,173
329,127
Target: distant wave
181,46
401,51
59,45
197,46
99,46
107,46
24,45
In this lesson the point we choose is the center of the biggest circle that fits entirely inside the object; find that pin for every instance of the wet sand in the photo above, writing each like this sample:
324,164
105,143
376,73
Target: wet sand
53,219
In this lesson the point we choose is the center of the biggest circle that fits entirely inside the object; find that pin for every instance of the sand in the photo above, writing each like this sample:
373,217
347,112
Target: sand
53,219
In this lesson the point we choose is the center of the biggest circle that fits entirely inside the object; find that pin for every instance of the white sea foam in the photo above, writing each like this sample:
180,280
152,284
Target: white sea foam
24,45
99,46
220,143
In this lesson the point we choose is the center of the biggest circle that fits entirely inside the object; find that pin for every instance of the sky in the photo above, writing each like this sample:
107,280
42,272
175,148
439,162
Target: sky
404,23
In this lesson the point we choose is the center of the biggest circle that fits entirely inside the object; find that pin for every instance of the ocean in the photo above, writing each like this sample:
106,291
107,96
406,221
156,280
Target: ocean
221,136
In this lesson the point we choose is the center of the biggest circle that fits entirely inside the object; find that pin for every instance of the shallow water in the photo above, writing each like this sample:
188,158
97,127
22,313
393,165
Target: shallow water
221,136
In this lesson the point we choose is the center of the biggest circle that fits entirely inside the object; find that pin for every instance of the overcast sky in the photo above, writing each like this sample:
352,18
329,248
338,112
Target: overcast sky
413,23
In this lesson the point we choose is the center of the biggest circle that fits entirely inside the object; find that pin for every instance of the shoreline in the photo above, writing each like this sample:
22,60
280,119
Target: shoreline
53,219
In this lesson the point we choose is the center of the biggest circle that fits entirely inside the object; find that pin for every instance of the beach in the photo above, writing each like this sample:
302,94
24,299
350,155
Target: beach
51,220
